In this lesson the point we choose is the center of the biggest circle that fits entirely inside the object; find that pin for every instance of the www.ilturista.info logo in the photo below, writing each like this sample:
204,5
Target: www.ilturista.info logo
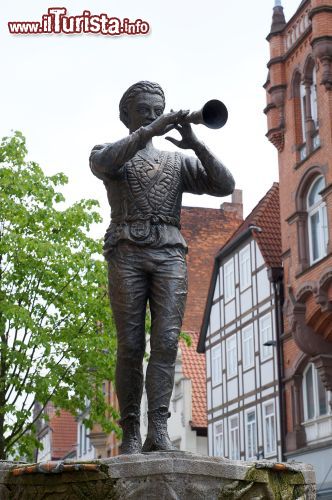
57,22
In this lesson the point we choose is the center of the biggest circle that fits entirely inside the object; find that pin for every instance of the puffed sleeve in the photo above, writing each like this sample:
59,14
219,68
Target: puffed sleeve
107,160
213,178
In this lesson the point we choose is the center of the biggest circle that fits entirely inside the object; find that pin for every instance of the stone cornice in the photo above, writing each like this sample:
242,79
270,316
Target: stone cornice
321,8
280,86
295,216
275,60
268,108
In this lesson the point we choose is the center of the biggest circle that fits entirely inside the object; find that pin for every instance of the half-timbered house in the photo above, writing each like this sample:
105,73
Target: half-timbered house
240,335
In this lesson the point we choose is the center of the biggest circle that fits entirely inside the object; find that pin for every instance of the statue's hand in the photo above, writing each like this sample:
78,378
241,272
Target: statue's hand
165,123
189,139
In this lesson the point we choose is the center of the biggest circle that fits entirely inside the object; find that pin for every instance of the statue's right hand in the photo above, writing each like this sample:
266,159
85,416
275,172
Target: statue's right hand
164,123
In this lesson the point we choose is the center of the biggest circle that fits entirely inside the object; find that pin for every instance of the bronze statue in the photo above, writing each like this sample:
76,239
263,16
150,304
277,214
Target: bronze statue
146,251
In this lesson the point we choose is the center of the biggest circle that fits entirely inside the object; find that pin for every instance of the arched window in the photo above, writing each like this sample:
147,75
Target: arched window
311,107
306,109
317,221
315,400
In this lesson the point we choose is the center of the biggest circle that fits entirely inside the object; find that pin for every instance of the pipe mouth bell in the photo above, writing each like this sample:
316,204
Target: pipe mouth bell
214,114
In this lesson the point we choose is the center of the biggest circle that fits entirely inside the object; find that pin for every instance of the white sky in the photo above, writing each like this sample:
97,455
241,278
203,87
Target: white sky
63,91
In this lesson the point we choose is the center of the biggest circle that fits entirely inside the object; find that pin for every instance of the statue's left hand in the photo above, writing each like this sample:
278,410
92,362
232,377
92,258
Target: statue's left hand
189,139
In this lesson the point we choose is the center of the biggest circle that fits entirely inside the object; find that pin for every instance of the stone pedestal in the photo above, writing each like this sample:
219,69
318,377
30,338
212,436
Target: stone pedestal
157,476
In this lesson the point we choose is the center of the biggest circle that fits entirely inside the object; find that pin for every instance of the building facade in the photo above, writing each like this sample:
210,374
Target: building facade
299,116
240,335
96,443
57,435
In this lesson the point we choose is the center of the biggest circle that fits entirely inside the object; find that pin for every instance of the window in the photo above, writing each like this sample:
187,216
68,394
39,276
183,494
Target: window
269,423
231,350
248,347
303,111
314,394
216,365
317,221
229,280
218,440
306,109
311,219
263,285
251,435
265,328
234,442
245,268
313,99
80,443
84,440
299,114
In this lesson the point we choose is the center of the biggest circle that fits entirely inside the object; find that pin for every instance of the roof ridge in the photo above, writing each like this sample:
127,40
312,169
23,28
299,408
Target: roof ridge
261,206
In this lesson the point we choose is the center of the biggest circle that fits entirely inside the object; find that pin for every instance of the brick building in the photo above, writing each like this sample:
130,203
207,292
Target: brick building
205,230
57,434
95,443
299,115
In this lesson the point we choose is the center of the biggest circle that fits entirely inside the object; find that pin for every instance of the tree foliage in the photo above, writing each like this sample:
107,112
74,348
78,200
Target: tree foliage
57,340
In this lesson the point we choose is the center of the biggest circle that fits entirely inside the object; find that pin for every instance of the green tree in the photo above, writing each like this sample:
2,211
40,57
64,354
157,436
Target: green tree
57,337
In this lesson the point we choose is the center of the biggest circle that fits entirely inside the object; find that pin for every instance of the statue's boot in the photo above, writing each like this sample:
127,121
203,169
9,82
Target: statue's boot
129,386
131,438
158,438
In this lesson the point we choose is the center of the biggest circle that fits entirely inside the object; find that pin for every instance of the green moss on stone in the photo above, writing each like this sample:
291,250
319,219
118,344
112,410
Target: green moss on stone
281,483
277,485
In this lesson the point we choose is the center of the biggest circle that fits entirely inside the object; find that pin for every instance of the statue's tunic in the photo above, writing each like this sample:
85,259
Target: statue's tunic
145,196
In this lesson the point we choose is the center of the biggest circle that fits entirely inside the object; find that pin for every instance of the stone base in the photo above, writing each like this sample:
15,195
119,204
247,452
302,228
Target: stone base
157,476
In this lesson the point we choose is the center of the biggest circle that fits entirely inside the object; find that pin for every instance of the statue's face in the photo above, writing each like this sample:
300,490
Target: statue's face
144,109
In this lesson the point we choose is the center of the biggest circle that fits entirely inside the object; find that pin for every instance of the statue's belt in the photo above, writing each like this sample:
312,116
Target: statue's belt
140,228
145,219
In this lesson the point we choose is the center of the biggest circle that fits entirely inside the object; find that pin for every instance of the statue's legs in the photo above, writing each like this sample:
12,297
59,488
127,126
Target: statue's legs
167,297
137,274
128,295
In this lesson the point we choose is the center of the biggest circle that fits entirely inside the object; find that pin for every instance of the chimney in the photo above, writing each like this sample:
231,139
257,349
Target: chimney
235,205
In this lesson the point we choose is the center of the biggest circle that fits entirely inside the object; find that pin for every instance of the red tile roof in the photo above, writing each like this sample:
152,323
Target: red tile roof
266,216
193,366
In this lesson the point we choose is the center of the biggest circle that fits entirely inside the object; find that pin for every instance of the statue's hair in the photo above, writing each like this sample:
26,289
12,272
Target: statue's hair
133,91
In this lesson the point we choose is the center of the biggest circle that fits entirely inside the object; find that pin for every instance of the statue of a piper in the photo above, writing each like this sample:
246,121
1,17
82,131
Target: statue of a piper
146,252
